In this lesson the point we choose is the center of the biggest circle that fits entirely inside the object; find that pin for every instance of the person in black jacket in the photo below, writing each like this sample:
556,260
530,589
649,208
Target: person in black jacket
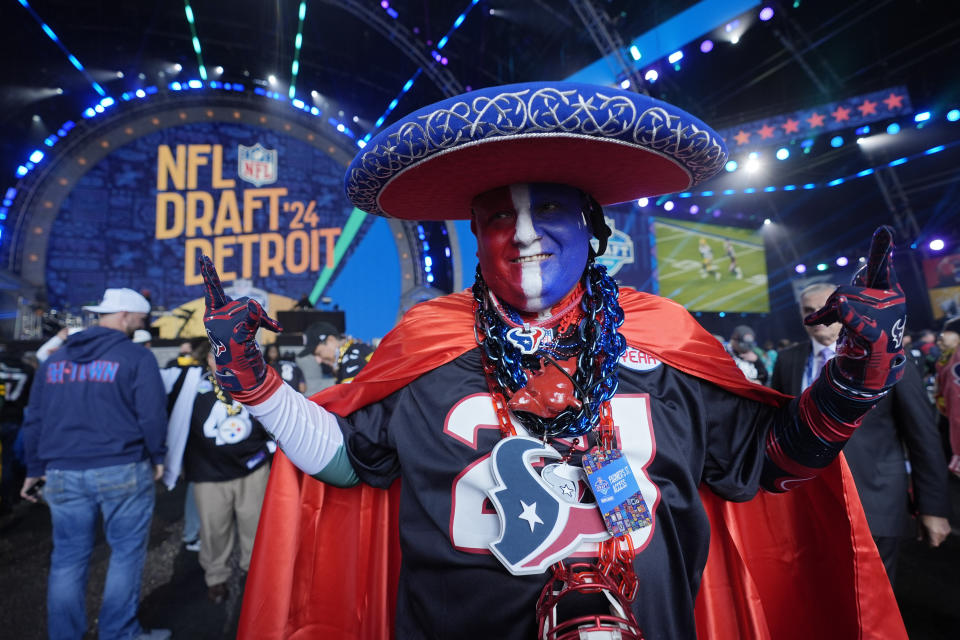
875,452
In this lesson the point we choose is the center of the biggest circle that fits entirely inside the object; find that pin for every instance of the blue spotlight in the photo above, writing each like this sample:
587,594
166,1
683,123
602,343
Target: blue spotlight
836,141
893,128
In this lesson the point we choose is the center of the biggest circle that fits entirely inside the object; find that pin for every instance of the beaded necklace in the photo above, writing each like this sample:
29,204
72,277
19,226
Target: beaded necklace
232,407
596,342
598,347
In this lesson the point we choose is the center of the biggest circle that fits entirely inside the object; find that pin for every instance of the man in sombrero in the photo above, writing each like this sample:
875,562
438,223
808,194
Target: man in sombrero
546,455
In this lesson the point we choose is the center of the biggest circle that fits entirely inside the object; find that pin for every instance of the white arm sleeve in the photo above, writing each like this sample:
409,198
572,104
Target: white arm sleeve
307,433
49,347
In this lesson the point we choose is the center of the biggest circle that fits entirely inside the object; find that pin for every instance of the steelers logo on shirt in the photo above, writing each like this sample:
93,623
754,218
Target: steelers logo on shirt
234,429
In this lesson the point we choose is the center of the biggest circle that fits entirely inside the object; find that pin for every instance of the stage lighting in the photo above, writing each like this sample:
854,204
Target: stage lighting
822,266
635,52
767,221
783,153
923,116
668,205
651,76
862,131
694,209
842,261
953,115
766,13
935,245
893,129
643,202
625,84
836,141
36,156
731,166
753,165
676,56
272,79
800,268
706,46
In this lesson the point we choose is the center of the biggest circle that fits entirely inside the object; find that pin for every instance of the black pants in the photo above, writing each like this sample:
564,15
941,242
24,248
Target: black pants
888,548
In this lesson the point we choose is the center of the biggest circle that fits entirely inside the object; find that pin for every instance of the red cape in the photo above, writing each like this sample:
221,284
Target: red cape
795,565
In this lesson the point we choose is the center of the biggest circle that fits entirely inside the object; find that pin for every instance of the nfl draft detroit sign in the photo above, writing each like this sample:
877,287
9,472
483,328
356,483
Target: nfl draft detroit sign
131,201
250,231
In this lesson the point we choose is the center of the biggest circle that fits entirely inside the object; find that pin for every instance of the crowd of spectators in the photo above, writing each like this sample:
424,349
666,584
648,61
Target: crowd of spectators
202,437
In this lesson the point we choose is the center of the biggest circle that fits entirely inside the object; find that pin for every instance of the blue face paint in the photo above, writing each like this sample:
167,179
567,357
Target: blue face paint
533,241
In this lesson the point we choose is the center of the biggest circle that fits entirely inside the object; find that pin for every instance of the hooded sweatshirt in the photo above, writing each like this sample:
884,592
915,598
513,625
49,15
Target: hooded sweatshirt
98,401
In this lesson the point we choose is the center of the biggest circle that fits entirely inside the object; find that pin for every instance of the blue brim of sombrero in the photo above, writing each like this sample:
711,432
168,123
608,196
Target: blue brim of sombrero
616,145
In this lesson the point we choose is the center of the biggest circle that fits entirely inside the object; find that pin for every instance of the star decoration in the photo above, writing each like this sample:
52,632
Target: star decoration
840,114
791,125
815,120
530,514
766,131
893,101
742,137
868,108
566,490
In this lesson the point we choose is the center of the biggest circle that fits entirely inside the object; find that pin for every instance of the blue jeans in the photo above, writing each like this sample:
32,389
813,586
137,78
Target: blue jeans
191,519
124,496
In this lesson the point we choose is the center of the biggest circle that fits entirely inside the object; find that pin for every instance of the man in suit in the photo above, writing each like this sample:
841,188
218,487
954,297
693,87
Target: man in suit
875,453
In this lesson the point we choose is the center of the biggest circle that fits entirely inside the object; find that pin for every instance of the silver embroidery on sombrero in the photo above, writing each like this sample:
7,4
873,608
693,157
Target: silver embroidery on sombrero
545,110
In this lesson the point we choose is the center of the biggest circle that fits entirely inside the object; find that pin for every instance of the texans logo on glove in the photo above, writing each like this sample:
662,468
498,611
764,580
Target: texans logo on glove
232,328
872,310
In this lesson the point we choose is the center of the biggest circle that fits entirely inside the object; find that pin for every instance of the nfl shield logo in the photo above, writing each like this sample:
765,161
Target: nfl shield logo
257,164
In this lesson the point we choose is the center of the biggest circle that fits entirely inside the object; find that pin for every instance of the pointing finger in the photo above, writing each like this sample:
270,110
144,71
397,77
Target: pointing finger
878,272
213,290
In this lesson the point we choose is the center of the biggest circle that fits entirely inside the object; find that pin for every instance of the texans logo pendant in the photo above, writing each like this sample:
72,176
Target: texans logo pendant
527,340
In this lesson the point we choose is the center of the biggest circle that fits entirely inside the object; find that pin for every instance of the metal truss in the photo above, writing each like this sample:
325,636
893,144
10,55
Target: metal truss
394,31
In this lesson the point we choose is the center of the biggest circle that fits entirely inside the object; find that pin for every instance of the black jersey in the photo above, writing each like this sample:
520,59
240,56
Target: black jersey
438,432
222,446
291,373
354,356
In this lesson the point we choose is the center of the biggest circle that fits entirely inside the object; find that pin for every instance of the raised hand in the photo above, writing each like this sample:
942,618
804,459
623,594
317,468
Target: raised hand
872,309
232,328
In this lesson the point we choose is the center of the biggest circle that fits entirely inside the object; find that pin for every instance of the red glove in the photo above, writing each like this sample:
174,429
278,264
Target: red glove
232,328
870,356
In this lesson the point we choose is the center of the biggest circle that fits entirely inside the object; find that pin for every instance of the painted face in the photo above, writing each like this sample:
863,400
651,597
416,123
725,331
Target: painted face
532,241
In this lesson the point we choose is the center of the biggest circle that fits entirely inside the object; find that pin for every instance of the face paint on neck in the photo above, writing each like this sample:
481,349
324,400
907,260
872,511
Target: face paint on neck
533,241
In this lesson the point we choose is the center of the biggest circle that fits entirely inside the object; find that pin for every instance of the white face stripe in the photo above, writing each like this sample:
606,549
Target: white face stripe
524,233
531,279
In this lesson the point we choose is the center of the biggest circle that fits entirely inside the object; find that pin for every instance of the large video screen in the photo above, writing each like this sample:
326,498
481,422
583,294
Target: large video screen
709,267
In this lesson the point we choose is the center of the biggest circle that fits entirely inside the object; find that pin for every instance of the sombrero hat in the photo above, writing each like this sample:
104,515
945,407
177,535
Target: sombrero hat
616,145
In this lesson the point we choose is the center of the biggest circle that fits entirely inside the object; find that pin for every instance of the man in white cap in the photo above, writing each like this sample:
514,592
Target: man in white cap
95,432
142,336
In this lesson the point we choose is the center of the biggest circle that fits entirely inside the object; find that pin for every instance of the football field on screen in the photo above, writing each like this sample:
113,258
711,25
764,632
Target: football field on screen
685,276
